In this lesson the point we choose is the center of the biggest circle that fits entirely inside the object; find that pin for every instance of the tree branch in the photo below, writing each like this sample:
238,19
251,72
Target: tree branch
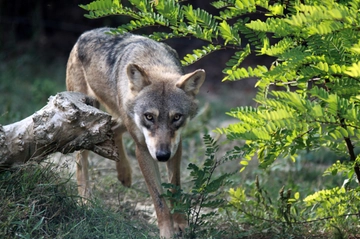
69,122
351,151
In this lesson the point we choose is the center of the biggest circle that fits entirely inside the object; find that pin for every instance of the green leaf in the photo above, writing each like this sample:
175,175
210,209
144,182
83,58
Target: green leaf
199,54
243,162
354,70
297,195
228,33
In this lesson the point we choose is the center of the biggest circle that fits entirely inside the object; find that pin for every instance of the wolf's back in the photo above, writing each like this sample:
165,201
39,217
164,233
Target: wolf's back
122,49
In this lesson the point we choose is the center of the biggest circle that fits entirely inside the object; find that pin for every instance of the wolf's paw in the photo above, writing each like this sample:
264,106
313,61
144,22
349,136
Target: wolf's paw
125,179
180,224
124,172
85,194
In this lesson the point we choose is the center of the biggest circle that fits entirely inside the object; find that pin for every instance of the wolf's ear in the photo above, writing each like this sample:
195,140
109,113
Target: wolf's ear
191,83
137,77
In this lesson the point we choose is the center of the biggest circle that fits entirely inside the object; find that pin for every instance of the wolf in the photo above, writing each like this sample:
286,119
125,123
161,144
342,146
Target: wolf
142,84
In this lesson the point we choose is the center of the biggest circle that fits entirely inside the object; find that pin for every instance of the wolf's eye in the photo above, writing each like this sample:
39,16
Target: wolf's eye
177,117
149,117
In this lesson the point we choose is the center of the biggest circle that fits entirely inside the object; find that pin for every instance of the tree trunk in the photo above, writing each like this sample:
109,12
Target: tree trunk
69,122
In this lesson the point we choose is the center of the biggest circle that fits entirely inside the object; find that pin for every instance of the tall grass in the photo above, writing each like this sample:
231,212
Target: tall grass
37,203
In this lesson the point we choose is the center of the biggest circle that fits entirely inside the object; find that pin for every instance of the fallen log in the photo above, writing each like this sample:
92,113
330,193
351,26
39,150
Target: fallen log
69,122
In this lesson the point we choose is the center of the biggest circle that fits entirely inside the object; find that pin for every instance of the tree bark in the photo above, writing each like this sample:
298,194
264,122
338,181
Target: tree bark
69,122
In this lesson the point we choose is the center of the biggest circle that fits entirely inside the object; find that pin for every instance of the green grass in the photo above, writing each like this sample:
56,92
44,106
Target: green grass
37,203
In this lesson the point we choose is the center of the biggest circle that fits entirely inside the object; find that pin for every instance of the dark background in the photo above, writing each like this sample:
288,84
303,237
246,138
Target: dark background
50,28
46,28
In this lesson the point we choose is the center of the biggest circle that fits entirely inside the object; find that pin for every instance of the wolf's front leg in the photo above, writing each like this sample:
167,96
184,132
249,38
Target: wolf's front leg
82,174
173,167
150,170
123,167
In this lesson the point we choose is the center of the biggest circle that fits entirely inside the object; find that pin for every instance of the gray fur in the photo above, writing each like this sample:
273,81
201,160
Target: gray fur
143,86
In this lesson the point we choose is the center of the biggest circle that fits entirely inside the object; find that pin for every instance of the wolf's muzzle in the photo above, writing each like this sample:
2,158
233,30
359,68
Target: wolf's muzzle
163,155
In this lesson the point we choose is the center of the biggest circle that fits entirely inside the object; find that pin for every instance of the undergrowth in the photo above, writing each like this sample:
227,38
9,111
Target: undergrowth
205,196
268,204
37,203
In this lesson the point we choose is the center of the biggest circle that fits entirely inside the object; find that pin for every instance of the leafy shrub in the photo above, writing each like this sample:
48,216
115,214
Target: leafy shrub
204,194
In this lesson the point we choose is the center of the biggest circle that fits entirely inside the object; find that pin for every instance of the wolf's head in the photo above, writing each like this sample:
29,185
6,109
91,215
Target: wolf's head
162,106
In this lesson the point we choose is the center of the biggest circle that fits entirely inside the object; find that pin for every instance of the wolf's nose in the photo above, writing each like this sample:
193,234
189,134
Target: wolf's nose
163,156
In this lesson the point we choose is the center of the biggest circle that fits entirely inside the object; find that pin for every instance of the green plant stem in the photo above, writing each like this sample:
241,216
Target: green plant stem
202,198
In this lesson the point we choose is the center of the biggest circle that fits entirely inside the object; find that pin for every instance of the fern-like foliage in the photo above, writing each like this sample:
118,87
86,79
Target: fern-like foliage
199,53
205,193
335,203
